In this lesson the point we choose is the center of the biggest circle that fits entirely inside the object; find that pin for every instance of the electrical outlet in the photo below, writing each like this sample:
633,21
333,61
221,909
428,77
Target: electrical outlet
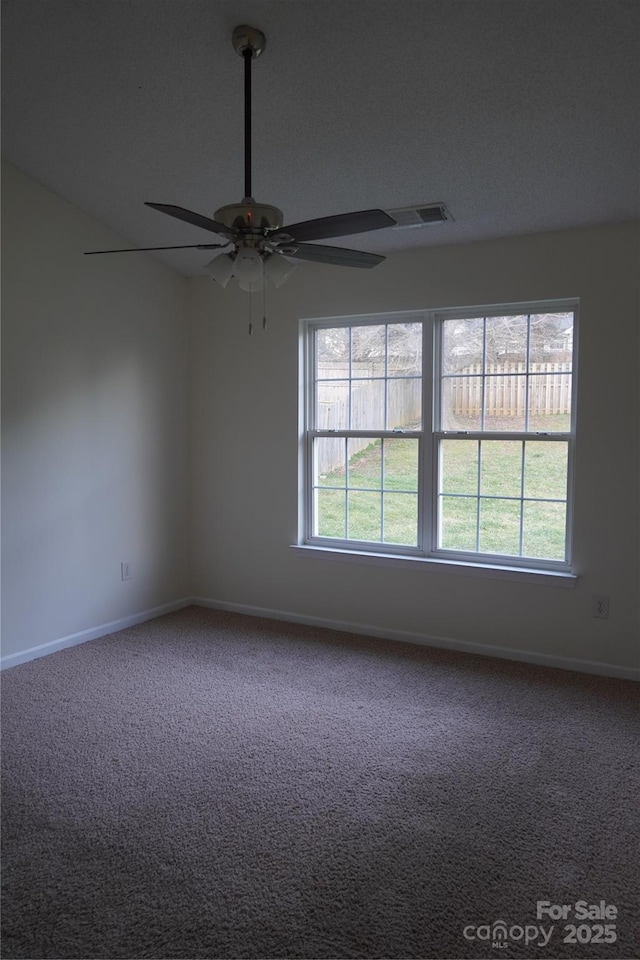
600,607
125,570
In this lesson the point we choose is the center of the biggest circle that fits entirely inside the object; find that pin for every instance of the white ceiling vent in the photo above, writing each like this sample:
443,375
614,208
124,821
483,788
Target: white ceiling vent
419,216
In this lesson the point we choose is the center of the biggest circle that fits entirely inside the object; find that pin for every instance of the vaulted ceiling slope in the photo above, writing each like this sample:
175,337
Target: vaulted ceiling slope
520,115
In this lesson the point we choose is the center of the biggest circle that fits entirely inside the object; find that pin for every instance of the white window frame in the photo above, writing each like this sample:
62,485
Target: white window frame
427,551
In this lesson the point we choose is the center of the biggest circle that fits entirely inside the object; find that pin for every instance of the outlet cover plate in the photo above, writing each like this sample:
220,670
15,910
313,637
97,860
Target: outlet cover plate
600,607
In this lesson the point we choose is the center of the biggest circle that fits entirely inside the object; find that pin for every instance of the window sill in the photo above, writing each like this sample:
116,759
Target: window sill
554,578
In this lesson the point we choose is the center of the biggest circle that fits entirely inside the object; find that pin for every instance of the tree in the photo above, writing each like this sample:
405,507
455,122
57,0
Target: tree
504,340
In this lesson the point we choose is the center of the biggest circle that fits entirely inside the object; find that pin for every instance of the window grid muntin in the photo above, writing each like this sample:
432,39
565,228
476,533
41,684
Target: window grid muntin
440,377
353,375
564,439
527,386
385,419
522,477
428,513
346,435
478,481
482,395
382,456
350,395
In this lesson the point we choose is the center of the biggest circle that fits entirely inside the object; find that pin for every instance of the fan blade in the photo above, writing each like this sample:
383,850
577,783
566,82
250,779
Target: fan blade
184,246
194,218
342,225
339,256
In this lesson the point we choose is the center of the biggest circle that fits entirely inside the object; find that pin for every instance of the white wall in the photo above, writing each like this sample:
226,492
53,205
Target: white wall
244,449
98,441
94,439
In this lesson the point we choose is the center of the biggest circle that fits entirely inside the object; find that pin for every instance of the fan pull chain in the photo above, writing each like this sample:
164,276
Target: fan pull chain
250,318
264,299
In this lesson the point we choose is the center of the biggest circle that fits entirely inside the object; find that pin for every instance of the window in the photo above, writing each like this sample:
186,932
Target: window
442,434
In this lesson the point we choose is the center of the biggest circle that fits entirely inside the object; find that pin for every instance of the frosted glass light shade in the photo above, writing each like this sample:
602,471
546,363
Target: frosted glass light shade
248,269
251,286
277,269
221,269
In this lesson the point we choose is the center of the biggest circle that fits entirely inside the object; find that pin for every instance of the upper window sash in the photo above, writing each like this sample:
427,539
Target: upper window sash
529,375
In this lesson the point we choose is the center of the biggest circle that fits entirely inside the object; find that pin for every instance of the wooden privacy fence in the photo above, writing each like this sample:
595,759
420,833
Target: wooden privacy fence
404,403
503,384
505,389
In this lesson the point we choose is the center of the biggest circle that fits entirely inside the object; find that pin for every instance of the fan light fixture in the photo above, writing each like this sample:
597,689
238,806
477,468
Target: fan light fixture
250,268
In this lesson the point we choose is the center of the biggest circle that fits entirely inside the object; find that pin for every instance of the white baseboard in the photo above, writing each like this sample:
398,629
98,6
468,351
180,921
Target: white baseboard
462,646
44,649
344,626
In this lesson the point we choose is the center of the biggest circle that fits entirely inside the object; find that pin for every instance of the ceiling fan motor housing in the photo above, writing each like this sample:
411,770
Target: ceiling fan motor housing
250,217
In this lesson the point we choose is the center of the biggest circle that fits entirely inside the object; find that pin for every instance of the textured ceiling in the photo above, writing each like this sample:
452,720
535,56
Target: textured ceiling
521,115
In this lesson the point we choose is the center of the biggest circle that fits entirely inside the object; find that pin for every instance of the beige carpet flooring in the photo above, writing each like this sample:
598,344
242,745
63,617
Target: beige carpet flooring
210,785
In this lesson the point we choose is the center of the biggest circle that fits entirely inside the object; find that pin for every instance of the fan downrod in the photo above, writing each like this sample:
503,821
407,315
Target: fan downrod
248,38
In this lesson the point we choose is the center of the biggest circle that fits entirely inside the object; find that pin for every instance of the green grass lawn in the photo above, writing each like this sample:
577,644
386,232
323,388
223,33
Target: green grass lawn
372,497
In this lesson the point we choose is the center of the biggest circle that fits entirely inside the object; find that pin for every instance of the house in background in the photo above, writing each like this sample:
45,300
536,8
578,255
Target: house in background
142,426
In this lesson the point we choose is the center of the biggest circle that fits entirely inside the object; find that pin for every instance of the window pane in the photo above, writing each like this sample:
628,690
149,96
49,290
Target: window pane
365,463
329,459
551,339
461,403
332,353
506,344
367,405
401,518
458,522
543,532
459,466
500,527
404,349
332,405
501,468
505,397
545,469
550,401
365,516
404,404
462,345
400,464
504,402
368,351
330,520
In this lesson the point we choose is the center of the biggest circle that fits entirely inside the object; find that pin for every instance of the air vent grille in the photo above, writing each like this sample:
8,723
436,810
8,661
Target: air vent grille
419,216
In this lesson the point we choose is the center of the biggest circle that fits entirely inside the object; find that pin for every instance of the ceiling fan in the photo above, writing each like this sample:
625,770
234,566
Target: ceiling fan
261,244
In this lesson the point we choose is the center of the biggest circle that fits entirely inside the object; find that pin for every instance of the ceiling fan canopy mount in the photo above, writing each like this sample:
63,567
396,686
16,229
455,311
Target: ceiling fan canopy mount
248,40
